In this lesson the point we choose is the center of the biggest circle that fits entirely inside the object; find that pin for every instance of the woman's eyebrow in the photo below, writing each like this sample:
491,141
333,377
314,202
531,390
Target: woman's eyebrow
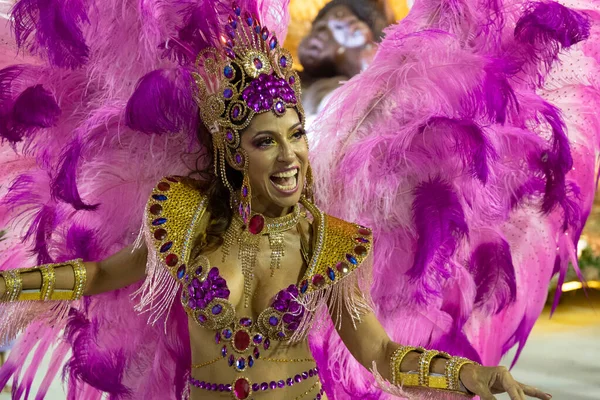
274,133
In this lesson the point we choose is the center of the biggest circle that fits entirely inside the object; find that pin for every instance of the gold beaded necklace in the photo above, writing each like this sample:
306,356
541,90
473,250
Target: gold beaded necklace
248,239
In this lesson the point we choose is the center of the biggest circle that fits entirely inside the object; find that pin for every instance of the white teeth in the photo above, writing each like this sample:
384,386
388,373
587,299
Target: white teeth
287,188
286,174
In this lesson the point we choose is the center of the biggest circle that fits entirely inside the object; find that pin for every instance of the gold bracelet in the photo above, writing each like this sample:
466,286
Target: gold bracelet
207,363
397,358
48,282
80,279
452,371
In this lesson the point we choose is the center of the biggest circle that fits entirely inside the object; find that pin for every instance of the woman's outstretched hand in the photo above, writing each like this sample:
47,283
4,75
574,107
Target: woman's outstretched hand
487,381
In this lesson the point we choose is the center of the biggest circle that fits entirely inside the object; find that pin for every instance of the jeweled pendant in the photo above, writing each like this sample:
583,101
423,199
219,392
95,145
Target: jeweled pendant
256,224
241,388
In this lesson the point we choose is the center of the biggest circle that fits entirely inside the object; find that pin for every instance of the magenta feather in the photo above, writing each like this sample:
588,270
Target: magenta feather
57,27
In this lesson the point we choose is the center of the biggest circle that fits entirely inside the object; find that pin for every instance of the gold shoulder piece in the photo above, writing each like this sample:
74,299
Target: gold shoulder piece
173,212
340,247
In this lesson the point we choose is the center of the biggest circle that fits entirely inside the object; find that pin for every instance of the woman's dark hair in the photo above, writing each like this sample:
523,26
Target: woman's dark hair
366,11
204,179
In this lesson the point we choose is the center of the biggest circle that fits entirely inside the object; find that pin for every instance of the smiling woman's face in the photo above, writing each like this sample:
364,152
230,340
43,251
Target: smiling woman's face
278,155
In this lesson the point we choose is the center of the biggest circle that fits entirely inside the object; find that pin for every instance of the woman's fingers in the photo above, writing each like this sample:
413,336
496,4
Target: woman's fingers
511,386
535,392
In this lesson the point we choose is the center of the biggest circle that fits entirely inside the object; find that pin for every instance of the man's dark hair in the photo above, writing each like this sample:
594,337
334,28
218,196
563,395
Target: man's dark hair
365,10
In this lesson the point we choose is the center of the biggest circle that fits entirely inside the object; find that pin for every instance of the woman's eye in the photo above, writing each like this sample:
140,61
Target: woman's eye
265,142
299,134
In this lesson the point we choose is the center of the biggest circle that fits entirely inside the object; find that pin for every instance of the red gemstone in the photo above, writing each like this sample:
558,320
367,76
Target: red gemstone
163,186
156,209
364,231
256,224
241,340
171,260
318,280
360,250
172,179
160,234
241,388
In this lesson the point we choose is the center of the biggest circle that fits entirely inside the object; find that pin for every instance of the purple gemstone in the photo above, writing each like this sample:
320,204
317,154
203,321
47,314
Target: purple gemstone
311,373
237,10
255,387
222,293
293,326
288,318
265,33
230,53
218,338
264,386
279,107
192,304
318,396
228,93
292,80
235,113
256,353
198,271
216,310
273,385
227,333
202,318
297,379
202,385
273,43
281,334
258,338
214,387
257,63
246,322
280,384
273,321
289,382
228,71
224,351
305,375
238,158
231,360
228,388
267,344
283,62
245,191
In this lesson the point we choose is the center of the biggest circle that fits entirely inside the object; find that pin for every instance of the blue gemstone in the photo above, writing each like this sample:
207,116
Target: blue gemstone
237,11
273,43
216,310
228,93
351,259
231,360
227,333
331,274
159,221
166,247
257,29
273,321
304,287
233,24
240,364
181,272
228,71
250,361
258,338
249,21
159,197
224,351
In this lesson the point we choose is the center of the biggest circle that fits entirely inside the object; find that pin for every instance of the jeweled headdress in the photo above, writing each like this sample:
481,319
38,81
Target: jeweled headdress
248,75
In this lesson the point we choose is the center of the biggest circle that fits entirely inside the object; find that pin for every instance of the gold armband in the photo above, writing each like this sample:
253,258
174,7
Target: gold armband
47,292
449,381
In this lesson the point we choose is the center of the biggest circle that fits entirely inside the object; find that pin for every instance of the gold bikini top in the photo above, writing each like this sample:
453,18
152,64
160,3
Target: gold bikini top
173,213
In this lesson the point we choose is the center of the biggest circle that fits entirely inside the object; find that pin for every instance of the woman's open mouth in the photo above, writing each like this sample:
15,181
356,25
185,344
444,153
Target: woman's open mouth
286,181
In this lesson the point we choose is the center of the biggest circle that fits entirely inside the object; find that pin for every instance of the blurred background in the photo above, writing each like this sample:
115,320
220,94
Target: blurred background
336,41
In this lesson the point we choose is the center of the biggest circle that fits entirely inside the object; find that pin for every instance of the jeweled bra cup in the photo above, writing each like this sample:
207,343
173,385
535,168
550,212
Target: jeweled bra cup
205,298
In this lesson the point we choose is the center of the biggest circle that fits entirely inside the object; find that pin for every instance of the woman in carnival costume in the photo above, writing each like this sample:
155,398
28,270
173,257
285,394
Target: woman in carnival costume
235,264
